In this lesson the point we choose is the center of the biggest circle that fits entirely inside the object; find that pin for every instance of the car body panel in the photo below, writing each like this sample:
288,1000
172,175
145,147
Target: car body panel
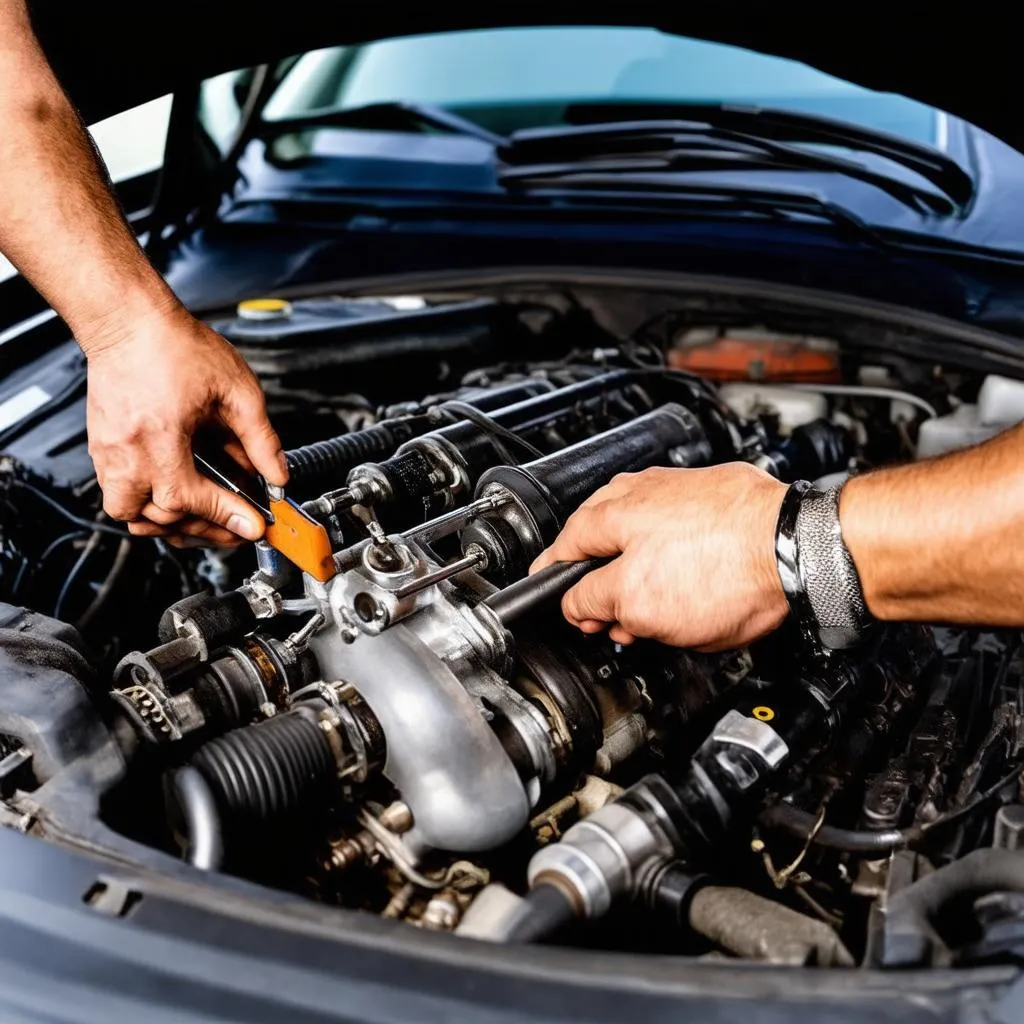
83,939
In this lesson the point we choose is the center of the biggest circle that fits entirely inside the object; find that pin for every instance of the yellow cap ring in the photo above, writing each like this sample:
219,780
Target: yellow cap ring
763,713
264,309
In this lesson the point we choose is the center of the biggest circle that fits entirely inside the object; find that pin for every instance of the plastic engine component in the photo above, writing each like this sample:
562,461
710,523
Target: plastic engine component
793,408
1000,406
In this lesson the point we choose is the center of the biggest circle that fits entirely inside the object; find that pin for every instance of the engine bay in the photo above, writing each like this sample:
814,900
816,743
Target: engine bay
411,729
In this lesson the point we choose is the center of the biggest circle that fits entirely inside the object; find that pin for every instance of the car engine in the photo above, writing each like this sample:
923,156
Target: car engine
409,728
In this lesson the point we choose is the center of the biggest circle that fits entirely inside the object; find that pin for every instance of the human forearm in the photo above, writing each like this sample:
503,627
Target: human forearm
88,266
156,374
942,540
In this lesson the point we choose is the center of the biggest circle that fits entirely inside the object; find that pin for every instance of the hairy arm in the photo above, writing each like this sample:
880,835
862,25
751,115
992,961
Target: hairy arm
155,373
936,541
942,540
59,223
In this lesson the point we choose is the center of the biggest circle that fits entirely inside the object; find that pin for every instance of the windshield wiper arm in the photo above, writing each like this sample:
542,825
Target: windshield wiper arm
773,203
677,147
596,123
382,117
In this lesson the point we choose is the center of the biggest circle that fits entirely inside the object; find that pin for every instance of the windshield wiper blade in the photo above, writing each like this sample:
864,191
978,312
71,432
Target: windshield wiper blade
676,147
594,123
791,126
382,117
772,203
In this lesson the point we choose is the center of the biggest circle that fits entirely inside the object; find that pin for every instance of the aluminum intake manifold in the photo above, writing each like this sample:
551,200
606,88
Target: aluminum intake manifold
425,656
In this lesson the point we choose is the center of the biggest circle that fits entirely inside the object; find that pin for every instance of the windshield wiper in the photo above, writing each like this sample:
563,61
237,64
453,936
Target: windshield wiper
394,117
735,138
710,200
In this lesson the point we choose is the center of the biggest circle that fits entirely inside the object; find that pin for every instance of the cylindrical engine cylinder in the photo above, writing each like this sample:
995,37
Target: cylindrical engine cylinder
408,481
542,494
319,466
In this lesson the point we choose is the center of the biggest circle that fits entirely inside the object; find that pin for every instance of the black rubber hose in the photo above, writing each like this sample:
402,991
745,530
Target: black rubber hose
195,799
909,934
800,824
268,770
543,912
324,465
328,462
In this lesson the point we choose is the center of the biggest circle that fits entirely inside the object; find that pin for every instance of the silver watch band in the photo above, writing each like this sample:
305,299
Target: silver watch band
828,574
816,570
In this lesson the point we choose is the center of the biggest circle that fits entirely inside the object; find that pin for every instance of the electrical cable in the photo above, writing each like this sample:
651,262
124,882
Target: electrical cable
803,825
120,559
65,589
167,552
463,410
36,564
68,515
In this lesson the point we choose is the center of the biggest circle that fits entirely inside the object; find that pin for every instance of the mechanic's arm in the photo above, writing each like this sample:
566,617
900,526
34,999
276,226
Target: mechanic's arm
155,373
936,541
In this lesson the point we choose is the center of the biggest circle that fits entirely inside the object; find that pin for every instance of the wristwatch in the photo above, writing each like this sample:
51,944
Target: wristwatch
817,573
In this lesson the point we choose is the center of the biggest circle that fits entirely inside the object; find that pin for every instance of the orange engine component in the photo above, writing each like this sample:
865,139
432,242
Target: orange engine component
301,539
757,356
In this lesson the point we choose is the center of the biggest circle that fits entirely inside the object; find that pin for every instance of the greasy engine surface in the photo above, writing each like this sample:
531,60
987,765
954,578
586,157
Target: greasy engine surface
417,733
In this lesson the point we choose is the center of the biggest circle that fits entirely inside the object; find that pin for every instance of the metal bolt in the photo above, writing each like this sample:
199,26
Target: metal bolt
396,817
268,710
344,854
604,672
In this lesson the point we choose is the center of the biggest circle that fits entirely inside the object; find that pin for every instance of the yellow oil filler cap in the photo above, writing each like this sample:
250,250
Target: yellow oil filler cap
264,309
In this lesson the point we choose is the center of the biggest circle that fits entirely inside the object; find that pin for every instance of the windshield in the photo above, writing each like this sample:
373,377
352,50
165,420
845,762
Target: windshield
525,77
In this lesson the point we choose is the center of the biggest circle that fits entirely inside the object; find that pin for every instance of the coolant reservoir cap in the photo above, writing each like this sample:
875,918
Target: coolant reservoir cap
264,309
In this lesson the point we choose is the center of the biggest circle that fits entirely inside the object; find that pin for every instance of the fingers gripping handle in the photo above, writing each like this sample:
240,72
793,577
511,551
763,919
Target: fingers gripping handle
529,593
294,533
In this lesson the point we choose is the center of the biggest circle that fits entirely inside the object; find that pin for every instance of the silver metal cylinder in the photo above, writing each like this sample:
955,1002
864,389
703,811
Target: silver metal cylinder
601,858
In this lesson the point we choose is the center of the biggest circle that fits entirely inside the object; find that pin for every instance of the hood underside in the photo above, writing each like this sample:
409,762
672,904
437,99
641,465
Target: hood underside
113,54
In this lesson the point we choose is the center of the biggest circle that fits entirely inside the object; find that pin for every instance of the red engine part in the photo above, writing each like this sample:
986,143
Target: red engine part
757,356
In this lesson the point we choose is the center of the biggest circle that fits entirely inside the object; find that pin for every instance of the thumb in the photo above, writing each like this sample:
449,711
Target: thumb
216,505
595,597
244,413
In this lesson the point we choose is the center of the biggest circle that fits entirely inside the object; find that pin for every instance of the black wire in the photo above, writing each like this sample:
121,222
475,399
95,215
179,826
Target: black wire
800,824
89,548
167,552
116,531
490,426
38,563
16,585
72,535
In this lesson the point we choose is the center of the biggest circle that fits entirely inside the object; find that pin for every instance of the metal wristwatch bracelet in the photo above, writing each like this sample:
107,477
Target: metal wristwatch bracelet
815,568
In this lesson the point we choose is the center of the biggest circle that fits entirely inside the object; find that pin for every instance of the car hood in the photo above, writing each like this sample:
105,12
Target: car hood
114,54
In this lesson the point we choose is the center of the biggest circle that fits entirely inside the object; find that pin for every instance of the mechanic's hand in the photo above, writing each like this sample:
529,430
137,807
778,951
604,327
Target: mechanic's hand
696,565
150,389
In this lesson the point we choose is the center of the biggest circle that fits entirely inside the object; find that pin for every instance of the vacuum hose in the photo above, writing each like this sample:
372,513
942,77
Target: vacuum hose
326,463
265,771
